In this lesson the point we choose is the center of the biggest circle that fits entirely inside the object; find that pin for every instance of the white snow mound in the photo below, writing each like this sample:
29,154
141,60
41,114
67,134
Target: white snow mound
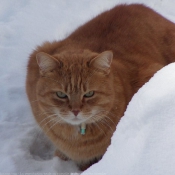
144,141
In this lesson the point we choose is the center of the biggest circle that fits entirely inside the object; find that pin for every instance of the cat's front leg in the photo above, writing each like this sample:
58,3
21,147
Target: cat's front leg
61,155
84,166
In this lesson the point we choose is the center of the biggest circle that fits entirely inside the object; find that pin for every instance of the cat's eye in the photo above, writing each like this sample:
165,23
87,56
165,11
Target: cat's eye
89,94
61,94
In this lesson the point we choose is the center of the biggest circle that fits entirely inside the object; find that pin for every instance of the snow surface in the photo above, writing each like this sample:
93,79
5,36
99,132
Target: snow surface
144,141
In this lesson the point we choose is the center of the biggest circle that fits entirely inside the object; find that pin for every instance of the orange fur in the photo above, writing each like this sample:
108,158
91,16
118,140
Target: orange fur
142,42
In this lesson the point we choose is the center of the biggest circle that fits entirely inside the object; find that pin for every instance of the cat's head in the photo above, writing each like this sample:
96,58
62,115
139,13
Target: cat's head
75,87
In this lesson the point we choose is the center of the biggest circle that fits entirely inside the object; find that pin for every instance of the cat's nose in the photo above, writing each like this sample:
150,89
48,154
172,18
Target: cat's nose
75,112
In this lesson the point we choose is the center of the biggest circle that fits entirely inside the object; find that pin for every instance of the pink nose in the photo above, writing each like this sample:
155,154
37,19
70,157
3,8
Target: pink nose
75,112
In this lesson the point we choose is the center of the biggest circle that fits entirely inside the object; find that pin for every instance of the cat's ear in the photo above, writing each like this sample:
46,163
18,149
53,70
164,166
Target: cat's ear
103,61
46,62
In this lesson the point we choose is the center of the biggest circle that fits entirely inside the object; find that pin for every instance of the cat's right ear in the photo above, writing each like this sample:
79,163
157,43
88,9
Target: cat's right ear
103,61
46,62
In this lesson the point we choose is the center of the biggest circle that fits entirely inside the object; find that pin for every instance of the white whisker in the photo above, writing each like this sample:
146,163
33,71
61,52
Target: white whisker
98,126
51,119
50,116
105,123
56,122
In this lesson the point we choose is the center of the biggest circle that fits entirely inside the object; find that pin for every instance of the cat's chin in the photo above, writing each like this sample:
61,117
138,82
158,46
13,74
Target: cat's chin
75,121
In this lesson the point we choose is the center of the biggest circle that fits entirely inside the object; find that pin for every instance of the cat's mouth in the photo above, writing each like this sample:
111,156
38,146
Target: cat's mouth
74,120
77,121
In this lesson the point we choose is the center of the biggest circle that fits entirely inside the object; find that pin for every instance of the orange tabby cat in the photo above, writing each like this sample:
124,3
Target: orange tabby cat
80,87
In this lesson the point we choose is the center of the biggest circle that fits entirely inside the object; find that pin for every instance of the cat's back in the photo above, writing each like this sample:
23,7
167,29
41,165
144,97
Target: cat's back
123,19
128,29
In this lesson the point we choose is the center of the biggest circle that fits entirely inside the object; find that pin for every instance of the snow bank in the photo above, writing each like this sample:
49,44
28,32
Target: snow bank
144,140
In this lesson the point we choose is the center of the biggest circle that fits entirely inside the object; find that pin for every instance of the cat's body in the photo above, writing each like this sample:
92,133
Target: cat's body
91,83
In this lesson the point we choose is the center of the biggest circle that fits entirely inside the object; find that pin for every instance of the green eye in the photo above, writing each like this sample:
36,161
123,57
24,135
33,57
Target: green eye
61,94
89,94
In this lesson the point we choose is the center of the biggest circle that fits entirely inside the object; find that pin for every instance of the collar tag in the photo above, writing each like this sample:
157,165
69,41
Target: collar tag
83,129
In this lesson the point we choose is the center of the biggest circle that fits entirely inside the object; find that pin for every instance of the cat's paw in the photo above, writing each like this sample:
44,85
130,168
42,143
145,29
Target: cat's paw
61,155
83,167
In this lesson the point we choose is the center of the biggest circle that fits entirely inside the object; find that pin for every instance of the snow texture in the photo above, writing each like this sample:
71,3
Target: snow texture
144,141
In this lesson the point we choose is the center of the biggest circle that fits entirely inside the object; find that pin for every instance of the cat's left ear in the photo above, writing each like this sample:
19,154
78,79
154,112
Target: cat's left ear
46,62
103,61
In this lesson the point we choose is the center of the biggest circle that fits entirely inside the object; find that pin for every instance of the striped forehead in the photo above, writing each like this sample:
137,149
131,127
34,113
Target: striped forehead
76,79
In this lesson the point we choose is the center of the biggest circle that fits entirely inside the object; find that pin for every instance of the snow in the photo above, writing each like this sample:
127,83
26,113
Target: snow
144,140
